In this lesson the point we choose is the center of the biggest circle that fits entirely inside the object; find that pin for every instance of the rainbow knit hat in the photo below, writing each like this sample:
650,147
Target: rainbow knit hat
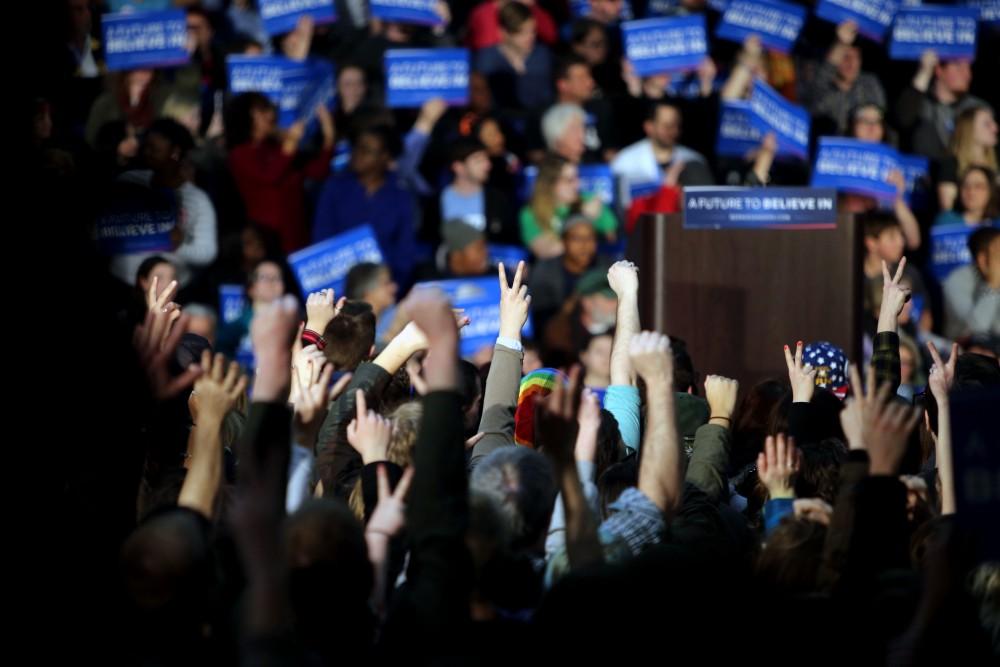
534,385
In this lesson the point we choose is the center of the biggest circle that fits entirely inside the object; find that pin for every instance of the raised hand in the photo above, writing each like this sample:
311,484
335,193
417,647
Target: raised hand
218,389
652,359
942,375
156,342
721,392
389,515
556,422
369,433
802,378
777,466
321,308
623,277
514,302
894,297
847,32
313,395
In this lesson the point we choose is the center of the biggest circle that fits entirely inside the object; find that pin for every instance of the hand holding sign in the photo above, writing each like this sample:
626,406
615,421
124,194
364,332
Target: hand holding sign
297,43
292,137
847,32
925,73
430,114
896,178
326,126
707,72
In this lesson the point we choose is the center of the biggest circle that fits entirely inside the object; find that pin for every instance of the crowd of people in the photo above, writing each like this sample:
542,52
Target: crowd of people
314,476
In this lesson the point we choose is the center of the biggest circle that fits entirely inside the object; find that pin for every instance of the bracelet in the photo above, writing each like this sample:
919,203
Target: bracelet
310,337
378,532
726,418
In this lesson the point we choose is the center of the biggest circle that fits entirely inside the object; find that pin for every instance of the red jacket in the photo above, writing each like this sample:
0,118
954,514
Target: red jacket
665,200
272,186
484,25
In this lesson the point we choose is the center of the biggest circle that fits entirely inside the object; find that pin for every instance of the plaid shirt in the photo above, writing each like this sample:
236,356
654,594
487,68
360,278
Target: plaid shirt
635,524
635,521
885,359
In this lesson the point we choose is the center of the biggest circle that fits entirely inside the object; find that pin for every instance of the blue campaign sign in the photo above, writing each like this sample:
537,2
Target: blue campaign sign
860,167
480,297
915,170
949,248
737,134
949,31
989,10
232,301
595,179
281,16
711,207
778,24
872,16
414,76
508,255
598,180
304,85
138,5
976,465
528,177
136,40
320,91
325,264
687,85
420,12
257,74
719,5
137,219
655,46
295,87
789,122
636,190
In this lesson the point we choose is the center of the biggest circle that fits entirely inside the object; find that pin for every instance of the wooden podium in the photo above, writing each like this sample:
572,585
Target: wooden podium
736,296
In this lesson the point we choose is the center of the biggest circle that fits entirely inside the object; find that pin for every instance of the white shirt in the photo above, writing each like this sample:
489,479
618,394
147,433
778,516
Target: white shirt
636,165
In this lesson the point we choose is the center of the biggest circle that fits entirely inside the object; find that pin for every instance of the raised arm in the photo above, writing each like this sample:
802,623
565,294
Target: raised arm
216,392
885,356
709,462
941,378
504,379
556,430
660,471
622,398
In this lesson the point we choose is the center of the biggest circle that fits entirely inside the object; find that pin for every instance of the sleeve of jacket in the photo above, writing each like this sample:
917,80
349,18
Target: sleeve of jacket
499,403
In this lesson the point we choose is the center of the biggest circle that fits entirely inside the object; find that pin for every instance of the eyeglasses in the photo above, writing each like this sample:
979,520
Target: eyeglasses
267,279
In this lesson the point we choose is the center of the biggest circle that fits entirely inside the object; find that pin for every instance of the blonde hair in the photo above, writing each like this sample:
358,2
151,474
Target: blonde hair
963,145
405,425
543,197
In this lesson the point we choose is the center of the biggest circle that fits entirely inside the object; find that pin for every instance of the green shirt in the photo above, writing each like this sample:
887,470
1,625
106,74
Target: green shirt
605,224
